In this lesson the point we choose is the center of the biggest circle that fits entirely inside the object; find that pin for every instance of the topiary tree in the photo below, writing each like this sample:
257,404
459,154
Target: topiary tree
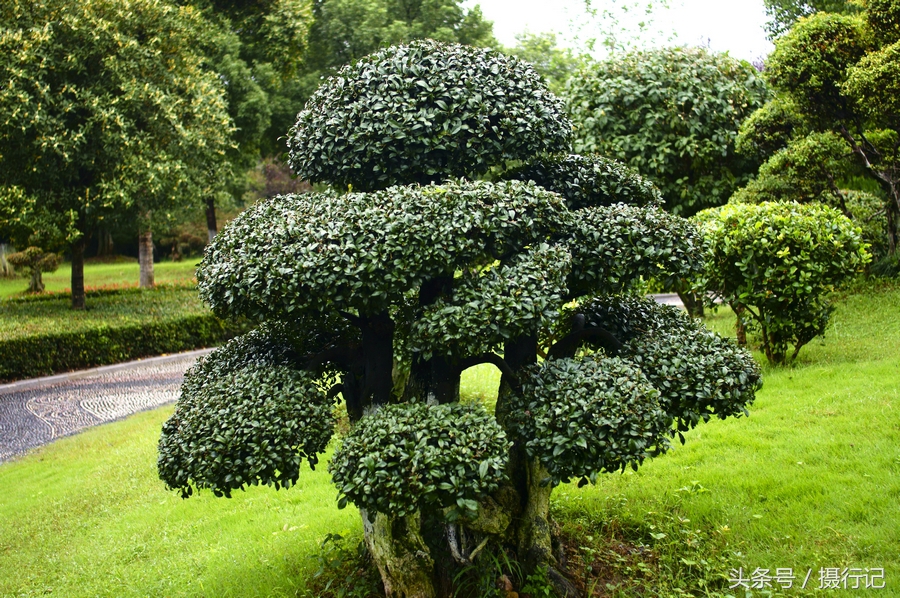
34,261
838,73
775,264
384,297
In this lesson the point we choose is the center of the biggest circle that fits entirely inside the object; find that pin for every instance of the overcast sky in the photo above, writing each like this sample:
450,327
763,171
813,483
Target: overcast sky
735,26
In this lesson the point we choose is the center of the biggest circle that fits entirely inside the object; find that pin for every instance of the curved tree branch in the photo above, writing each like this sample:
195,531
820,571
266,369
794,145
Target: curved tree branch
567,345
491,358
343,356
335,391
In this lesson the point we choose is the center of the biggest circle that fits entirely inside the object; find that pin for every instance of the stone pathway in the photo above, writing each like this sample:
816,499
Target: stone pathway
35,412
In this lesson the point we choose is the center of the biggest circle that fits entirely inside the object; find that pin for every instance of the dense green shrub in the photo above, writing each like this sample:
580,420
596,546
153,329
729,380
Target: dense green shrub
777,262
249,381
422,112
583,417
403,457
589,181
33,262
40,336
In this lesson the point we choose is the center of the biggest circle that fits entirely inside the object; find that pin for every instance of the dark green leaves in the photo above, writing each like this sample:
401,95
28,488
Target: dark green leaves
245,417
403,457
424,112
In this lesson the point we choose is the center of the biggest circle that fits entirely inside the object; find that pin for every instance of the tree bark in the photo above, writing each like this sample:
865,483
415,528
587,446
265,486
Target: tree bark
36,285
211,226
378,354
145,258
78,273
401,555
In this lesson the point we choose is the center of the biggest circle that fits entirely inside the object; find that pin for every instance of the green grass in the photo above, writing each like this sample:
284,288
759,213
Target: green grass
103,276
47,314
811,479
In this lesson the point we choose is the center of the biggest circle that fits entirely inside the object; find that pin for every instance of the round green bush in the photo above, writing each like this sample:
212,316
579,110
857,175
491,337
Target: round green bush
403,457
583,417
423,112
245,417
779,261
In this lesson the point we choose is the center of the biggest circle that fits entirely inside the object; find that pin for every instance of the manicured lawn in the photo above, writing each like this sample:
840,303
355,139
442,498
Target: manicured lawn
104,275
810,480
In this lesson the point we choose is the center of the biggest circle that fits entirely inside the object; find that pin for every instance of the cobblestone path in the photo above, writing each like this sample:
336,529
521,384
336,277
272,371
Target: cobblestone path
35,412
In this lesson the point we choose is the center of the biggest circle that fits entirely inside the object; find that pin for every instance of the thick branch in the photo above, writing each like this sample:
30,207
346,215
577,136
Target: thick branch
567,346
491,358
343,356
353,319
335,391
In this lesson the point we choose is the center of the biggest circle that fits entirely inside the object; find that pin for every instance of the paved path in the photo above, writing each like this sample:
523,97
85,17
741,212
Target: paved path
35,412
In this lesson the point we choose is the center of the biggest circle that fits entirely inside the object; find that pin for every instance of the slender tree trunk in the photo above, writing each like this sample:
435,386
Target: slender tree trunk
211,227
740,329
145,258
5,268
78,273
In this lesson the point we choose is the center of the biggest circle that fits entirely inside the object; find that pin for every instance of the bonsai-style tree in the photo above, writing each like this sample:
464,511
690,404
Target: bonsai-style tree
384,294
33,262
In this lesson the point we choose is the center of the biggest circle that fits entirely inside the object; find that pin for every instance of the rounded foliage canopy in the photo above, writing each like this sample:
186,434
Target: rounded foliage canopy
364,251
672,114
423,112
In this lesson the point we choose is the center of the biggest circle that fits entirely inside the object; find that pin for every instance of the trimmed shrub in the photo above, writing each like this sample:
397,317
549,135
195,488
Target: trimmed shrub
777,262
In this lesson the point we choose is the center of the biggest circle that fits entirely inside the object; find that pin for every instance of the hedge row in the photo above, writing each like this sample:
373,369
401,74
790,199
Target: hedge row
46,337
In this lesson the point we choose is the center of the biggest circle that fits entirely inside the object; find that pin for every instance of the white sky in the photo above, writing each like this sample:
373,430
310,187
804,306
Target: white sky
735,26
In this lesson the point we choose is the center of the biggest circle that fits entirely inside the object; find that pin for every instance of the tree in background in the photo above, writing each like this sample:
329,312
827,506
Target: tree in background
783,14
393,291
34,262
550,61
106,109
672,114
840,77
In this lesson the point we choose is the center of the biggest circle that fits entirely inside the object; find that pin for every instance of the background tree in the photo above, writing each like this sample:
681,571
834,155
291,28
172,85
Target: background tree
672,114
106,104
783,14
396,290
839,75
550,61
33,262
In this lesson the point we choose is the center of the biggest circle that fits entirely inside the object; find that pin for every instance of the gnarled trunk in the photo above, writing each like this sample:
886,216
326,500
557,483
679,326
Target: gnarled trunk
401,555
36,284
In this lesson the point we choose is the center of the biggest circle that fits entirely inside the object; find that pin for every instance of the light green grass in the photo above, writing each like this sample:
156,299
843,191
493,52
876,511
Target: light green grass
811,479
103,276
87,516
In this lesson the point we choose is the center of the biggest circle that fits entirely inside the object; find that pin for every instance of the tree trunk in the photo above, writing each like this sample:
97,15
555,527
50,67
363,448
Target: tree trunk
5,268
36,284
105,244
78,273
211,227
740,329
145,258
401,555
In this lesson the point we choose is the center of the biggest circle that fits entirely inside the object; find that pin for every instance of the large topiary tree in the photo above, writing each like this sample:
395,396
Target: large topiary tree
385,296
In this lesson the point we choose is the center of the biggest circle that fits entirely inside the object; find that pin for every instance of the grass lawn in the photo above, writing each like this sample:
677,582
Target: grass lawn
810,480
103,275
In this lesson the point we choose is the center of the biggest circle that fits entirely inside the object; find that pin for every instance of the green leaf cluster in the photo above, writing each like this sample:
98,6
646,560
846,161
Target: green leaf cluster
423,112
365,251
407,456
778,262
672,114
583,417
246,416
589,181
697,372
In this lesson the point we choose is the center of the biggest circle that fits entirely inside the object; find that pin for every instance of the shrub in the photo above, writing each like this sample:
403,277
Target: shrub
34,261
777,262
